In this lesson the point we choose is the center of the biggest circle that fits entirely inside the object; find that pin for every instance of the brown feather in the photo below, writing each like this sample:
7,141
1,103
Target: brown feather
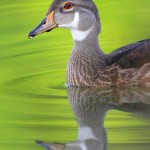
131,56
127,66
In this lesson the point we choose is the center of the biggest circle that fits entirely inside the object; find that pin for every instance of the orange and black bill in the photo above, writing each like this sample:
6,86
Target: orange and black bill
46,25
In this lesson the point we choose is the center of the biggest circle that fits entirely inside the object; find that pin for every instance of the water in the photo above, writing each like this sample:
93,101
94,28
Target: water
103,119
33,97
91,108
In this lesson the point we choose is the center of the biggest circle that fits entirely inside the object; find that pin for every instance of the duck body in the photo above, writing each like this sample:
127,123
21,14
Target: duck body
88,65
126,66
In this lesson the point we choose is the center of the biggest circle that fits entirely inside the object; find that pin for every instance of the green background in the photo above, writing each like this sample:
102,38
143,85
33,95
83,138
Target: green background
33,101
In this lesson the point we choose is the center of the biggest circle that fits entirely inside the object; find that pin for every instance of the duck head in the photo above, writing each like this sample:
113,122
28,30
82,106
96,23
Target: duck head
79,16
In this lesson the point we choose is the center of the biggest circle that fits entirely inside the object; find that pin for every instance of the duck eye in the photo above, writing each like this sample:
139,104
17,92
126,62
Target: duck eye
67,5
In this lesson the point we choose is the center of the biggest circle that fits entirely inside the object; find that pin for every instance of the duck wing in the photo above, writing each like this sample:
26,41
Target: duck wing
134,55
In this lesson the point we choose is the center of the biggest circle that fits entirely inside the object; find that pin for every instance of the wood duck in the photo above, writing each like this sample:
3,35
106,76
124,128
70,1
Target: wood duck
90,106
88,65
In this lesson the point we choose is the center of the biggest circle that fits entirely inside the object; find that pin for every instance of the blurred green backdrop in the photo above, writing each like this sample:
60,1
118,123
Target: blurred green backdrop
32,72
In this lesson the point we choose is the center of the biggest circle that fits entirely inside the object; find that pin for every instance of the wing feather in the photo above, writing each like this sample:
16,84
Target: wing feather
134,55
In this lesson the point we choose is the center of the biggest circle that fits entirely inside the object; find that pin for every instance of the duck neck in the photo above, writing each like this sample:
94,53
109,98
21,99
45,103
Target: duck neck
86,56
86,42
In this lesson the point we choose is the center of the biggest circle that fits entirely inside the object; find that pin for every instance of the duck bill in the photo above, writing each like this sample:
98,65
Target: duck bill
46,25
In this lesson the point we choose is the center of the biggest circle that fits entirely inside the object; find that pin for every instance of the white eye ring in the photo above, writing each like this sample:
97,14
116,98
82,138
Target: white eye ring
68,5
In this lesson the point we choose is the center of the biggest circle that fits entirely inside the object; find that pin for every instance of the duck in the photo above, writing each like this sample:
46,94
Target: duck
88,65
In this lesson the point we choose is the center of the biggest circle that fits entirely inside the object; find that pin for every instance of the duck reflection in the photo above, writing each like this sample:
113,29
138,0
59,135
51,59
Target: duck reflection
90,106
